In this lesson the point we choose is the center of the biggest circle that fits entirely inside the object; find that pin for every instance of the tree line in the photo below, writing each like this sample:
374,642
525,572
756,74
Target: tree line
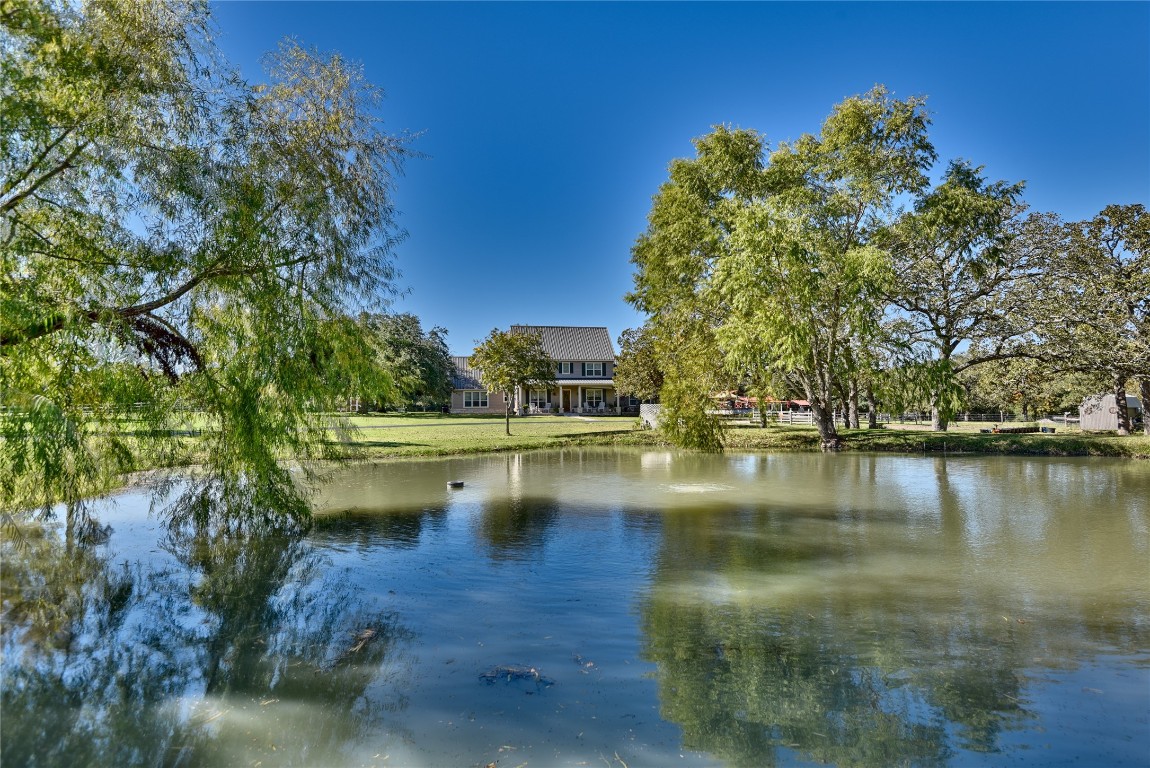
832,268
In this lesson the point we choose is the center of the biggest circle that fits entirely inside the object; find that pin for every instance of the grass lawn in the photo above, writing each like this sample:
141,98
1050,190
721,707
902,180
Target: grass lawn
434,434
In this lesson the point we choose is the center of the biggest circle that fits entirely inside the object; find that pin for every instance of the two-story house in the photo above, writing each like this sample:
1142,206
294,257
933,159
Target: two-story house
584,366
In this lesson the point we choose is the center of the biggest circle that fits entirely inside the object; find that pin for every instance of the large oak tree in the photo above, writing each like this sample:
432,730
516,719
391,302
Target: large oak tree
961,265
419,361
1093,313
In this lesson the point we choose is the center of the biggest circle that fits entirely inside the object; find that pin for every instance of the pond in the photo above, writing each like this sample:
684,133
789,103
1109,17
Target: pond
600,606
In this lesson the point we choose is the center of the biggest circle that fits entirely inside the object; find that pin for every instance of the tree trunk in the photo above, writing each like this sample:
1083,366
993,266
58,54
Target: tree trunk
938,419
819,387
872,409
507,414
1120,404
853,405
1144,391
824,419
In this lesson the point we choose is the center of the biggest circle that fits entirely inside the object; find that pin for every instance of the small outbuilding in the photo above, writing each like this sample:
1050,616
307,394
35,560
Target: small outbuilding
1099,413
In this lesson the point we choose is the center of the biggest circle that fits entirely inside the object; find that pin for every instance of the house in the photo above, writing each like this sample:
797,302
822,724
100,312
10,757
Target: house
584,369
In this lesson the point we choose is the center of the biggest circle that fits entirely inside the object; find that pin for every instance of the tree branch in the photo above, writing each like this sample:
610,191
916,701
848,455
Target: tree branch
12,202
12,184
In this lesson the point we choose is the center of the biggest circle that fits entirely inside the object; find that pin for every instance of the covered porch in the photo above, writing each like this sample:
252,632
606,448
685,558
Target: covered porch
575,397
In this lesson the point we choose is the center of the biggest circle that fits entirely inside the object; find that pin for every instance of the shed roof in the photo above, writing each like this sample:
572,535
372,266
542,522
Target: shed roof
569,342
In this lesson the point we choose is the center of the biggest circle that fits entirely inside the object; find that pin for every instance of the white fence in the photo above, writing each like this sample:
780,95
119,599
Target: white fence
921,417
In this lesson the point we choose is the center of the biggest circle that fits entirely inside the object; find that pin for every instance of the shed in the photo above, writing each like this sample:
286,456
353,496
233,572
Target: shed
1099,413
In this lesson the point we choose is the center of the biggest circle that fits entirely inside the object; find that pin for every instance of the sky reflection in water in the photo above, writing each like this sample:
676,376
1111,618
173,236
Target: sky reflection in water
742,609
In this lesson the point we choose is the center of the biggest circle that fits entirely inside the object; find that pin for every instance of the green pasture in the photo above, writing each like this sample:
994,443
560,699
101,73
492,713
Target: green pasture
434,434
397,435
431,434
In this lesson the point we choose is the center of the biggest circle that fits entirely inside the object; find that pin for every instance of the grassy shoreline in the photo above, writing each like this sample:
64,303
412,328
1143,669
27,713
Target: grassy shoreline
950,442
430,435
419,436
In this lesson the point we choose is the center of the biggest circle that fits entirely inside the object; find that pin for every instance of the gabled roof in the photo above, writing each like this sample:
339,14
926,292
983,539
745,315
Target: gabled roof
464,376
567,342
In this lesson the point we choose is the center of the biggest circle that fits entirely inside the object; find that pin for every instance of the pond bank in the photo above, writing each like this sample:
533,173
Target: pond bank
450,435
431,435
781,438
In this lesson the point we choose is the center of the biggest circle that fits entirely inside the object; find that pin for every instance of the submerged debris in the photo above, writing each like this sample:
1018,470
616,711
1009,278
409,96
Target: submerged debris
584,664
509,672
362,638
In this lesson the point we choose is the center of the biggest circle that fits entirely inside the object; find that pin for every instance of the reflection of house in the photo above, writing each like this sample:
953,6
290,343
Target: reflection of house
584,369
1099,412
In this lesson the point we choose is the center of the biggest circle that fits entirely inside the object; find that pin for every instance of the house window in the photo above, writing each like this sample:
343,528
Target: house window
593,369
538,397
474,399
594,398
565,369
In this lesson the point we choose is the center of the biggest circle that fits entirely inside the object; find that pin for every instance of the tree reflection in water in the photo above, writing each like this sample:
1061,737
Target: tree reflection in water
237,649
764,653
791,609
516,528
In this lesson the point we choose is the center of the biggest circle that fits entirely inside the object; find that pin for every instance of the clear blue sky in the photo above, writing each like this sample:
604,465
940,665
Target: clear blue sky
547,127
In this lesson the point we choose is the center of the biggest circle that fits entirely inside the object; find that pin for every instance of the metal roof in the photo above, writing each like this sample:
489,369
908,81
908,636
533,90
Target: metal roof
464,376
574,343
562,343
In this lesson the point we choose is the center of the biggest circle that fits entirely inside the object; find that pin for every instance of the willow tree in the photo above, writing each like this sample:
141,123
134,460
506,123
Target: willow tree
688,234
177,240
777,258
637,369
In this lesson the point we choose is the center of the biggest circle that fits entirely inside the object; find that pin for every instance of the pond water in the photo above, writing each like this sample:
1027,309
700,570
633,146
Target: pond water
591,607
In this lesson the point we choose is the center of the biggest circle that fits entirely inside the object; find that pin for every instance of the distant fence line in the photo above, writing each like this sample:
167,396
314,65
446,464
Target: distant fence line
911,417
649,415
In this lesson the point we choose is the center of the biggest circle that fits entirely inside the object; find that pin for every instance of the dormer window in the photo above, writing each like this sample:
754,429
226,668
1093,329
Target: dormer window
593,369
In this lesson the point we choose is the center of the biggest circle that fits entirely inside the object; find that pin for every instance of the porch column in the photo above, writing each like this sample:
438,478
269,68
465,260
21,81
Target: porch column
579,405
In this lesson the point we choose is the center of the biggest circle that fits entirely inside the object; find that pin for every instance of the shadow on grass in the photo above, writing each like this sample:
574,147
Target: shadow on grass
388,444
